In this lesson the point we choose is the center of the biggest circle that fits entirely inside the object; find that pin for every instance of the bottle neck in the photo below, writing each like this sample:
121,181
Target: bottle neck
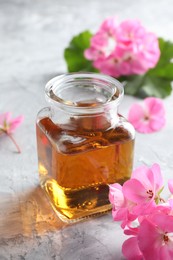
85,122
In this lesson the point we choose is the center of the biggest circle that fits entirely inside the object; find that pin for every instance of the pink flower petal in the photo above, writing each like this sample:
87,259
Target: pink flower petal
144,208
140,173
157,112
164,222
164,208
131,231
120,206
5,117
91,54
157,123
170,185
148,240
155,177
130,249
154,106
119,215
136,112
108,66
109,25
116,196
15,123
130,31
166,253
135,191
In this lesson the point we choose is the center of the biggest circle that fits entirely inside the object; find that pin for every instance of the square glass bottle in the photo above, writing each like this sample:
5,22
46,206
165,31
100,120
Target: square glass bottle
83,144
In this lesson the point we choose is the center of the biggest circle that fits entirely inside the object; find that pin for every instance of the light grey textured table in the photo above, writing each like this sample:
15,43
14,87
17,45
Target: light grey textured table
33,36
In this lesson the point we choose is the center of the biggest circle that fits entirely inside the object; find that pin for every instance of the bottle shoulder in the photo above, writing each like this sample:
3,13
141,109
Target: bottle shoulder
123,128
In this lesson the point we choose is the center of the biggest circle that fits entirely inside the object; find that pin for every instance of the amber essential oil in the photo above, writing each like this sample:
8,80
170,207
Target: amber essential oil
76,166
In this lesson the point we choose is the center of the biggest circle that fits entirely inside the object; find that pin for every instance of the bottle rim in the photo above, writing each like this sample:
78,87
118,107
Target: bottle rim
57,84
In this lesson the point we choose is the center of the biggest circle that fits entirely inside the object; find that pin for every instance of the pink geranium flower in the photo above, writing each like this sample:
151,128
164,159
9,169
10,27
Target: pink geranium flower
144,187
8,126
149,116
155,237
123,49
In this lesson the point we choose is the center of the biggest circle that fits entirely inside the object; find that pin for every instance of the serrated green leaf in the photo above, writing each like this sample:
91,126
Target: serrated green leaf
146,86
74,54
156,87
133,84
166,49
164,68
164,72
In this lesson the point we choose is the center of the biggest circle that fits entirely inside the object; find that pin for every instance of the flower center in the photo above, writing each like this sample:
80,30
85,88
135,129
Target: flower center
165,238
115,60
146,118
150,194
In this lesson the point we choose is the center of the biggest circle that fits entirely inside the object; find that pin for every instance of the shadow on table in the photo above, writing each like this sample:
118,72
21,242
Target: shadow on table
37,215
31,230
29,215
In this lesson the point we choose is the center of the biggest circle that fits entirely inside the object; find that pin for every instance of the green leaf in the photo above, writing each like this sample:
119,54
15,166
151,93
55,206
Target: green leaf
164,67
165,72
74,54
156,87
146,86
166,49
133,84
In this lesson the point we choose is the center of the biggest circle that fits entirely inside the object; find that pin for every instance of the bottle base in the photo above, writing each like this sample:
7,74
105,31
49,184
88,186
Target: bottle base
83,218
73,205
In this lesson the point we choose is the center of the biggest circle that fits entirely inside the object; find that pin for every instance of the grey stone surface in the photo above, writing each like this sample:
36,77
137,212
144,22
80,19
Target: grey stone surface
33,35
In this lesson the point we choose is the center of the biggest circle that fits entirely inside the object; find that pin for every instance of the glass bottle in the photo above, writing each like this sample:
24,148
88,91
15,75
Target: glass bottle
83,144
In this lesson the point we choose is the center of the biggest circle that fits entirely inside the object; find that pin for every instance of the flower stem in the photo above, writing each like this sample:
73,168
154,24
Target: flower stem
14,142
